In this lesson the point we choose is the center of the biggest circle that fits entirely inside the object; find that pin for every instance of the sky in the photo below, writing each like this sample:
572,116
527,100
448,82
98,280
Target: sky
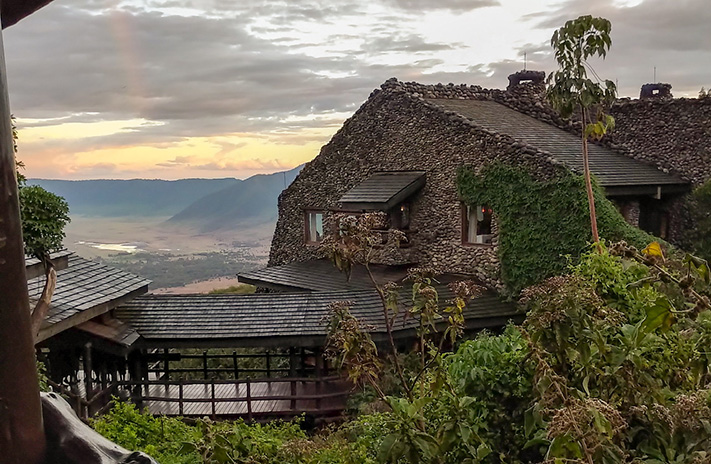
172,89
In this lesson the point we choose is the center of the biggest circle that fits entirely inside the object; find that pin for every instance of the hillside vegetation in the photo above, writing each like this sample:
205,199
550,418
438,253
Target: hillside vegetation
211,204
252,201
136,197
610,366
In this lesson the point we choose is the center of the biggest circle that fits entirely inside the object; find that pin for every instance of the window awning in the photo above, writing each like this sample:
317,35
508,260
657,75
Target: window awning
383,191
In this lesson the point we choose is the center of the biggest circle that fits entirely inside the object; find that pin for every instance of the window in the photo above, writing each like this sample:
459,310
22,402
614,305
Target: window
314,226
400,217
476,224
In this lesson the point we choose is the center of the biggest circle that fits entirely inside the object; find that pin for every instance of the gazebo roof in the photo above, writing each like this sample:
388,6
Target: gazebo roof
14,10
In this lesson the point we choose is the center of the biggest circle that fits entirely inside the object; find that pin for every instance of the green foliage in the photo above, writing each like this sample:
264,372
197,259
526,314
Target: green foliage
494,372
539,222
700,235
160,437
240,289
170,270
620,348
569,87
44,216
171,441
42,376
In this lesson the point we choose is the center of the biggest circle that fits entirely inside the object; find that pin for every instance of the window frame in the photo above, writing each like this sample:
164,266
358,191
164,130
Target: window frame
308,239
465,213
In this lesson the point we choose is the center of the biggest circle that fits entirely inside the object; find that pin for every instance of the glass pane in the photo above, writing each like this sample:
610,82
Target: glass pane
314,227
471,224
318,220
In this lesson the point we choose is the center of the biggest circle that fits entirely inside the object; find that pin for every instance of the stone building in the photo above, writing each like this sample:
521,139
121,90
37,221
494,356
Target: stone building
400,153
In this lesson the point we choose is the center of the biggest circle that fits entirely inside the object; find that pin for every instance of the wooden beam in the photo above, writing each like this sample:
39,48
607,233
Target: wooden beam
22,440
15,10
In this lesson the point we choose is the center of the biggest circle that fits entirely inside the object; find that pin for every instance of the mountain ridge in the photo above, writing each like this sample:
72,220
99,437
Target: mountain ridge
207,204
251,202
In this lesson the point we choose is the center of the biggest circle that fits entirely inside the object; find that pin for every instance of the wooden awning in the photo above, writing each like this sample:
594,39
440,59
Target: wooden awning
14,10
383,191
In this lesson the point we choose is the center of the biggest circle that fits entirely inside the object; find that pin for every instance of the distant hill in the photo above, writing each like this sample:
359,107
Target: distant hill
138,197
250,202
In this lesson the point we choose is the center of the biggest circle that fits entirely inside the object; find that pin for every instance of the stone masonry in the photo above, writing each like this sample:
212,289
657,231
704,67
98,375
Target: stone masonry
397,129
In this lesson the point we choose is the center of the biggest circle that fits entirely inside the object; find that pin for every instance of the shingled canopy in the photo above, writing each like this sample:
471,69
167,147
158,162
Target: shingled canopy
320,275
277,320
85,289
383,191
617,173
14,10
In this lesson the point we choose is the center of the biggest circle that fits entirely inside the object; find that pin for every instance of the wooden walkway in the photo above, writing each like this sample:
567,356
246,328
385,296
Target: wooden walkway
265,398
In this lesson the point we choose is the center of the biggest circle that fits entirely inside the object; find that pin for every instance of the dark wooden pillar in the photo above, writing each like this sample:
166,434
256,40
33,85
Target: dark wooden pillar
87,368
166,365
318,362
22,437
293,361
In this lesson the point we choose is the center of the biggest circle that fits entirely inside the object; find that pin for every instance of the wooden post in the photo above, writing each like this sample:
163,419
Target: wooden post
318,361
303,362
292,362
292,383
234,364
180,396
166,365
269,364
22,437
204,365
87,367
212,385
249,400
138,385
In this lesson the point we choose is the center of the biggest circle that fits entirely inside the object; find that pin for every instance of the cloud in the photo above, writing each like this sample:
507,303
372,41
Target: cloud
288,73
671,36
454,5
224,163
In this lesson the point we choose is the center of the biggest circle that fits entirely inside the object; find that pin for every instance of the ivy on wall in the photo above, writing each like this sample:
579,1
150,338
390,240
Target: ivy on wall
700,208
541,222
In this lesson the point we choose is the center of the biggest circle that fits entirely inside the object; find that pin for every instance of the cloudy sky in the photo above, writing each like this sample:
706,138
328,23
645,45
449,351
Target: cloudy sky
230,88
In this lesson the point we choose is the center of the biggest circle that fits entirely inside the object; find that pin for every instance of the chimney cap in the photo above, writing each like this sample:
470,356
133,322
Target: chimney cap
534,77
655,91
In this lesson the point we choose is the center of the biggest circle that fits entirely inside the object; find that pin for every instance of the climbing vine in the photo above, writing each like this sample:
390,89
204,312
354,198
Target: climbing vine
699,237
539,222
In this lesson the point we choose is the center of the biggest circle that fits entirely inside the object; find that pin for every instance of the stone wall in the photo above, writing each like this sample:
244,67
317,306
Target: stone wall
674,134
396,129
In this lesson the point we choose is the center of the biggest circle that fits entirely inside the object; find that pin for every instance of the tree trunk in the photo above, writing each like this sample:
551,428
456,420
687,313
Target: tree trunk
39,314
22,437
588,182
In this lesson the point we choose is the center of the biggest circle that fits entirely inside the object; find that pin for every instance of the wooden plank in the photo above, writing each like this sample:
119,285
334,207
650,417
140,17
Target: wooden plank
275,398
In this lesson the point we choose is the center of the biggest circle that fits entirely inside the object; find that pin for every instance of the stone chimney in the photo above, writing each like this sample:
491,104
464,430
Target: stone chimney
535,78
655,91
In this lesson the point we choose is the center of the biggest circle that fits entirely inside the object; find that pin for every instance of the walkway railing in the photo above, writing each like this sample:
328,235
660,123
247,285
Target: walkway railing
249,398
229,365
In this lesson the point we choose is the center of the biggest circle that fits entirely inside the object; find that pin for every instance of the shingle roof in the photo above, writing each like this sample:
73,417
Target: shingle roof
85,288
112,330
320,275
611,169
34,267
384,190
274,319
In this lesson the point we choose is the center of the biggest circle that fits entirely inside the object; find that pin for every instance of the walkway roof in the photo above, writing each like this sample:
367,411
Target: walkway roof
85,289
277,319
320,275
